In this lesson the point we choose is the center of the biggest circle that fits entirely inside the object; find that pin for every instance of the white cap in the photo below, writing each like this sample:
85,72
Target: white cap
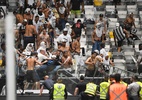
65,29
96,51
67,24
117,24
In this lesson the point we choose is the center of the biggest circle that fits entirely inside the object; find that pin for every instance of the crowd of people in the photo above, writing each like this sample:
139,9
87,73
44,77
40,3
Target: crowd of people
45,41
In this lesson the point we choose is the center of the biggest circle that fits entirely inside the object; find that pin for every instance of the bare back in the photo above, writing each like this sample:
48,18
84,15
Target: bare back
30,30
31,63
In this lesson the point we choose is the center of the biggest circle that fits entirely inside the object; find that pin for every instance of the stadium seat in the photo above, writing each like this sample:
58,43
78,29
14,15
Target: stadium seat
121,7
122,14
110,8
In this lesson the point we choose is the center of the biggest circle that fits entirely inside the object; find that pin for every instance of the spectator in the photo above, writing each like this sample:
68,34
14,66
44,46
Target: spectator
128,24
75,47
66,60
19,17
45,37
31,74
28,15
48,84
65,36
69,28
77,28
37,23
75,8
62,14
90,64
119,36
106,63
97,37
30,33
102,22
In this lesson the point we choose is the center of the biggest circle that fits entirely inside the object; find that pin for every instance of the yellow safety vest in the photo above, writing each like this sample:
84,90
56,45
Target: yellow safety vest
58,92
98,2
140,90
91,88
103,89
122,82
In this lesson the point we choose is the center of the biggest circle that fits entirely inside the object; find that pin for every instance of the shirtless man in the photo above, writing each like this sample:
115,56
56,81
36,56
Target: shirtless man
28,14
76,46
19,17
97,37
66,60
45,37
63,46
31,74
90,65
30,34
62,14
45,10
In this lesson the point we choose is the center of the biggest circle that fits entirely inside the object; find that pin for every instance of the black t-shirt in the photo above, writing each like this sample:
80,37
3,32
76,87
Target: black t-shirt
77,30
81,87
76,4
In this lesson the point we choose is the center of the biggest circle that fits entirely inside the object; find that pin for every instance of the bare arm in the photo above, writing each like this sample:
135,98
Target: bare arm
93,36
75,91
88,61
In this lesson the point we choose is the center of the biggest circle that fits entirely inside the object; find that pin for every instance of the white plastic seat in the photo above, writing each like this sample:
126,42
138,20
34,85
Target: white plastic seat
110,7
113,19
121,7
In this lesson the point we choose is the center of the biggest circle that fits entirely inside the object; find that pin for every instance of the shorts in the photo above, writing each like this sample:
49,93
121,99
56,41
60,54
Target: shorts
30,39
76,12
120,43
31,75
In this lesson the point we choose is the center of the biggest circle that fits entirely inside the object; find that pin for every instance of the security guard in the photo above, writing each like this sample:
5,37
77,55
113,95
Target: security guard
111,79
59,91
117,91
89,93
104,88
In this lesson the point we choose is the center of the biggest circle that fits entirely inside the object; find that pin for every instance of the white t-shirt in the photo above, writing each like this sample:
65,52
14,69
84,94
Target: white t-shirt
65,37
37,25
103,51
41,57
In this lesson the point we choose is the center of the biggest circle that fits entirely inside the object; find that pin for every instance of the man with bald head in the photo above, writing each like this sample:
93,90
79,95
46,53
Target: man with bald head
48,84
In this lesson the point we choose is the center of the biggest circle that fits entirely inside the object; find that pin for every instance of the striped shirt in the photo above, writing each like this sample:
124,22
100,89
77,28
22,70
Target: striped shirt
119,34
